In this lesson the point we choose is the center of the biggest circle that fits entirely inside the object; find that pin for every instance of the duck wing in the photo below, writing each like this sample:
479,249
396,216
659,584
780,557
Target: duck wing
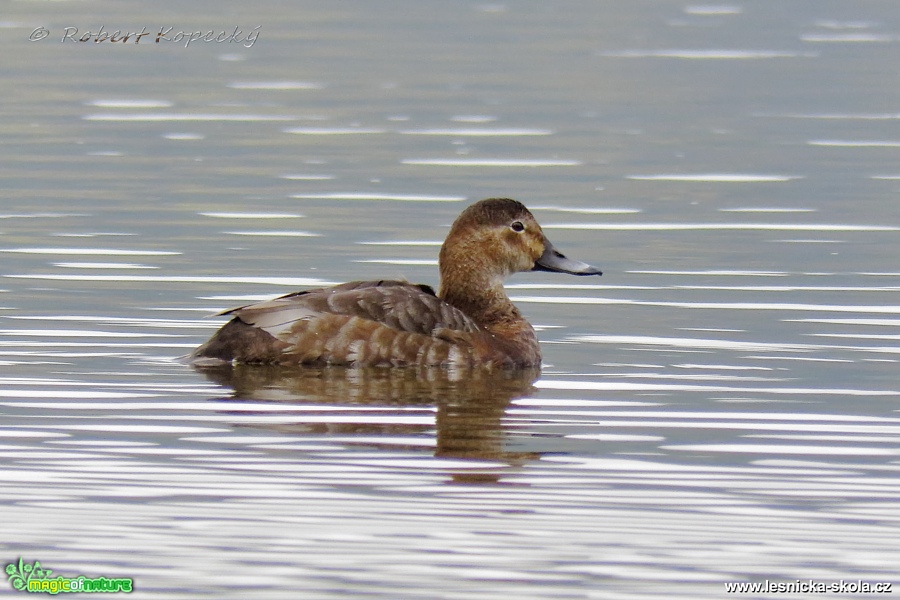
403,306
369,323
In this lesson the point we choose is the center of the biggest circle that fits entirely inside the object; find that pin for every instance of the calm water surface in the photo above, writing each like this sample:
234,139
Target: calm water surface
720,407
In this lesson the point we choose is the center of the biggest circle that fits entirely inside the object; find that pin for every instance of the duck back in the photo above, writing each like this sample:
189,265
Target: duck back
362,323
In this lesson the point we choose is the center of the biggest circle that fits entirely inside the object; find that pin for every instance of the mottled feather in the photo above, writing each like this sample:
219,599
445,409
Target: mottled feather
389,323
399,305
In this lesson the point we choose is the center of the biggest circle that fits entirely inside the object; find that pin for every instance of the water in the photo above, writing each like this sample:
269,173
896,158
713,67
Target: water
721,406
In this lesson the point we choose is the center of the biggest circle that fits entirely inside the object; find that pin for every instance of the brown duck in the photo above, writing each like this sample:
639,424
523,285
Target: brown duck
469,322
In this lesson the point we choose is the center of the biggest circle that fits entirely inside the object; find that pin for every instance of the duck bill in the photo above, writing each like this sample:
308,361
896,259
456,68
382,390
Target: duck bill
555,261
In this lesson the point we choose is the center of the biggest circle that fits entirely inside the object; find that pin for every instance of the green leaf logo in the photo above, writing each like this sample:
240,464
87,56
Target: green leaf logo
19,574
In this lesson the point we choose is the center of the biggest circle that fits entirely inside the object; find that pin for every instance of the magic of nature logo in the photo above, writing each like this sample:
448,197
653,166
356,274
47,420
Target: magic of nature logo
32,577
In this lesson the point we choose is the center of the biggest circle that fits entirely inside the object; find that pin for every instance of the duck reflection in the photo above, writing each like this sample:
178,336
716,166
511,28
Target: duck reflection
469,404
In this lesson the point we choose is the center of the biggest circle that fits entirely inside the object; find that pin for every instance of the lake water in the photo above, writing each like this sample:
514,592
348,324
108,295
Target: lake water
721,406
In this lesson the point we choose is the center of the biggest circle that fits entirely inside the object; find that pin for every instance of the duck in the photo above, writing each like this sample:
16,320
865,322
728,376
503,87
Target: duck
469,322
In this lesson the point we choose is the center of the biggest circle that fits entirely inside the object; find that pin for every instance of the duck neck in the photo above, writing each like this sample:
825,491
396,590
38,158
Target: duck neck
483,299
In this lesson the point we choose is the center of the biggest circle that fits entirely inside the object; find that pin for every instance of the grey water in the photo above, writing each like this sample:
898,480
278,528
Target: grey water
720,407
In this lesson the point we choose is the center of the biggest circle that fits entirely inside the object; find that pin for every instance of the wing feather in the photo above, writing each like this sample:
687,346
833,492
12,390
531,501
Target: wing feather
402,306
372,323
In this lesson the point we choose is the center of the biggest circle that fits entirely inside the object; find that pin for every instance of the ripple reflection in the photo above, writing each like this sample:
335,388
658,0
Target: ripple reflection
468,406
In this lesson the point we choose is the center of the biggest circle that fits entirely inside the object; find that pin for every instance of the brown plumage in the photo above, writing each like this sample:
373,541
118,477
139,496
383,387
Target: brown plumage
469,322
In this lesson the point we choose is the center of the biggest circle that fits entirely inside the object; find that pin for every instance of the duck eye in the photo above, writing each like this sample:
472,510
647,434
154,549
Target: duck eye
517,226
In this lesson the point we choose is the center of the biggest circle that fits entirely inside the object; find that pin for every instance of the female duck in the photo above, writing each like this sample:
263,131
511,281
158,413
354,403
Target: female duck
469,322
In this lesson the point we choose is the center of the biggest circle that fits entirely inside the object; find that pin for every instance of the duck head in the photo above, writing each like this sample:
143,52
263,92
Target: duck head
495,238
